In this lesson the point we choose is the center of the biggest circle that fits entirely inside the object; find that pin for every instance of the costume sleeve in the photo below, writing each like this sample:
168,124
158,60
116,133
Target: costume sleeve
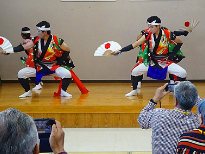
181,32
60,41
18,48
34,38
146,115
172,36
142,32
174,51
147,35
62,58
127,48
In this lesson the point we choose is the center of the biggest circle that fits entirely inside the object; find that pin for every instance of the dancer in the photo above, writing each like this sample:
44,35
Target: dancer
157,59
193,141
140,54
47,54
26,35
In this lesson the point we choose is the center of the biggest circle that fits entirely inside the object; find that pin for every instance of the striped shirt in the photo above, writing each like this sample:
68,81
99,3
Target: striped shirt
167,126
192,142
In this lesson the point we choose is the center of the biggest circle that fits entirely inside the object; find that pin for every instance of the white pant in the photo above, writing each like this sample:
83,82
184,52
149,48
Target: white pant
31,72
172,69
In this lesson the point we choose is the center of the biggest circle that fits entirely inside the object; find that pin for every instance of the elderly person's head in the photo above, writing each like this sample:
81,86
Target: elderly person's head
186,95
201,110
18,133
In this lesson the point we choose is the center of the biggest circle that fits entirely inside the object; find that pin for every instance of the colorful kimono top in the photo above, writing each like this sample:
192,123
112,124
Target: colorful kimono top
157,49
44,55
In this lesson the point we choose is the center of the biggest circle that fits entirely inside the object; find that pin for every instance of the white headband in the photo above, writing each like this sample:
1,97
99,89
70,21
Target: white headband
153,23
43,28
25,32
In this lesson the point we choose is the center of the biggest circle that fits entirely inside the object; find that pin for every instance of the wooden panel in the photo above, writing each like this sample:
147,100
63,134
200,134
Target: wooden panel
104,106
92,120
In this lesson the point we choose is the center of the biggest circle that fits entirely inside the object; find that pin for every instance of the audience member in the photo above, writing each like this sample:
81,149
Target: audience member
168,124
194,141
19,134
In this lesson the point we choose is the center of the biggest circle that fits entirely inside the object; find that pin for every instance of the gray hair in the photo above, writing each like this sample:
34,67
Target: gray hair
186,94
18,132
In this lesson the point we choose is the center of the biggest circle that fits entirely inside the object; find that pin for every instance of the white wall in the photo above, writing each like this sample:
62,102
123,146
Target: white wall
86,25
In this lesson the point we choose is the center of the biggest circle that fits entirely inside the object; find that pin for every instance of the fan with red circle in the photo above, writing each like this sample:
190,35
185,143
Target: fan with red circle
5,45
106,48
189,25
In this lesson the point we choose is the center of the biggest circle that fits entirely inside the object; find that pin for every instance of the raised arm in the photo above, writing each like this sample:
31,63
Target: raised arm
148,111
131,46
139,42
26,46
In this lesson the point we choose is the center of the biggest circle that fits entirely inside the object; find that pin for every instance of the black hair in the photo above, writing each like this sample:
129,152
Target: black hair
27,35
25,29
43,23
153,18
46,24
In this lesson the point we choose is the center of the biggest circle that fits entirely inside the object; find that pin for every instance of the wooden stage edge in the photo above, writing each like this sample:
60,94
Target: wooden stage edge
105,106
102,81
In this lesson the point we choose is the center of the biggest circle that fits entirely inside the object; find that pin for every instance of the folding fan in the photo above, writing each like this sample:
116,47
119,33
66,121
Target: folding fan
5,45
189,25
106,48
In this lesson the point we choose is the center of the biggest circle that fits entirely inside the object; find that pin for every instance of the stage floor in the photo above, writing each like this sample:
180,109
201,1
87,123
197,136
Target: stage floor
103,106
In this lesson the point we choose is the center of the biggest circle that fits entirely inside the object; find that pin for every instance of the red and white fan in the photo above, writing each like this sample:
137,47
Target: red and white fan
106,48
5,45
189,25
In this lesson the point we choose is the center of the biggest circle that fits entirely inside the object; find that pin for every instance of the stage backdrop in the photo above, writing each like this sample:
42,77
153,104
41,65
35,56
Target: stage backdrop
86,25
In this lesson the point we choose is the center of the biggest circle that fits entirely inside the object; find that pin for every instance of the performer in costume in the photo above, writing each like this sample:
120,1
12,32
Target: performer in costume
44,59
26,35
140,54
157,59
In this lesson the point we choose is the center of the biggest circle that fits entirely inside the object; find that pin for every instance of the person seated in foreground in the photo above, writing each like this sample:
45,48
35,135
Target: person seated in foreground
194,141
19,134
168,124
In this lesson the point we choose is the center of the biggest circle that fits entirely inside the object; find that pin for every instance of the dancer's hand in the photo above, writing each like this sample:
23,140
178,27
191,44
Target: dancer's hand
2,52
115,52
